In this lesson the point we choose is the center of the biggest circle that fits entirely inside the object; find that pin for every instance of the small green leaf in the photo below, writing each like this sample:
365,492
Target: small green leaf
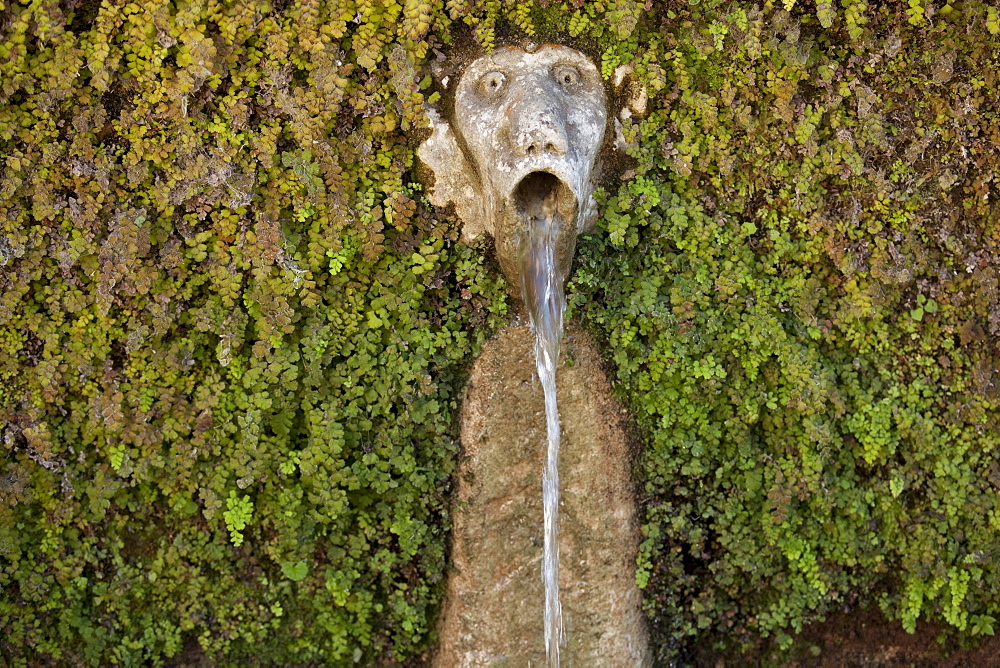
993,21
896,485
294,571
982,625
917,314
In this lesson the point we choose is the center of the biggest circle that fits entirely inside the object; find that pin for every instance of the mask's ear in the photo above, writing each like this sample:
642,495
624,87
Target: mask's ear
455,180
588,220
633,99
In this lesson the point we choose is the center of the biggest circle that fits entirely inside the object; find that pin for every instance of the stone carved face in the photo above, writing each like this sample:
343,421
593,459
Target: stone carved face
527,129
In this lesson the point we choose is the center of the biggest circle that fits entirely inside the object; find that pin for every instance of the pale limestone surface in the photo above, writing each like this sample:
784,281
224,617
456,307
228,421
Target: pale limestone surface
518,113
492,614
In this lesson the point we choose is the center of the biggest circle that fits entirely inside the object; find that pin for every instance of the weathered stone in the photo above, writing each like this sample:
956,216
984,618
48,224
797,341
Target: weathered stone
492,614
518,114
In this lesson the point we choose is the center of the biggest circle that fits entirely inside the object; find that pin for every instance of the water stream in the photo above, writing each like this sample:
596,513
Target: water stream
542,291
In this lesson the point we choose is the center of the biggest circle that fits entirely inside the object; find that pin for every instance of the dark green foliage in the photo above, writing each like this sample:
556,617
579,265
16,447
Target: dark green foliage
232,334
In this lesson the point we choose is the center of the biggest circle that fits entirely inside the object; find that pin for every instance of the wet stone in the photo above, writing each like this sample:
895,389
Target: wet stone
492,615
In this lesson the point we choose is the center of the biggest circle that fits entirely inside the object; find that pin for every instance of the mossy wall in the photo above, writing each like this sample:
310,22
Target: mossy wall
233,333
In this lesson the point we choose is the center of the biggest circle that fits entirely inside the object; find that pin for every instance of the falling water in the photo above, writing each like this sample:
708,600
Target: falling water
542,291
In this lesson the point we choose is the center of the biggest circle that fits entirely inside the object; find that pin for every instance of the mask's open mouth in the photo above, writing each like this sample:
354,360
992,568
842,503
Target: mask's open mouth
543,196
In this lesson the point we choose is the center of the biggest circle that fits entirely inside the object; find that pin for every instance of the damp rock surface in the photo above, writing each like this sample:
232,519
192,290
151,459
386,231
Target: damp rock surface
492,615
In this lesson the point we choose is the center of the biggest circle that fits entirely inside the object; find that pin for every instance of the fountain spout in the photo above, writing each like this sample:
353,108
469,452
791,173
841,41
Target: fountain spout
518,116
531,124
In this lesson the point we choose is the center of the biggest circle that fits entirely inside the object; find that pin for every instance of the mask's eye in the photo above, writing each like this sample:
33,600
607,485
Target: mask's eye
567,76
492,84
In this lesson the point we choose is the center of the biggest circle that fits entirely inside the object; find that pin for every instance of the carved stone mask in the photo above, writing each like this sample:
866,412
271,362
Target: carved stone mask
529,129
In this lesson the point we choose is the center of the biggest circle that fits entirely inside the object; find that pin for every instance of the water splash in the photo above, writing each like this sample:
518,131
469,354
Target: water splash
542,291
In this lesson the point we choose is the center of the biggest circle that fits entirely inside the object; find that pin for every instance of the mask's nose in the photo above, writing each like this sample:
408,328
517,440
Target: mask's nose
537,125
